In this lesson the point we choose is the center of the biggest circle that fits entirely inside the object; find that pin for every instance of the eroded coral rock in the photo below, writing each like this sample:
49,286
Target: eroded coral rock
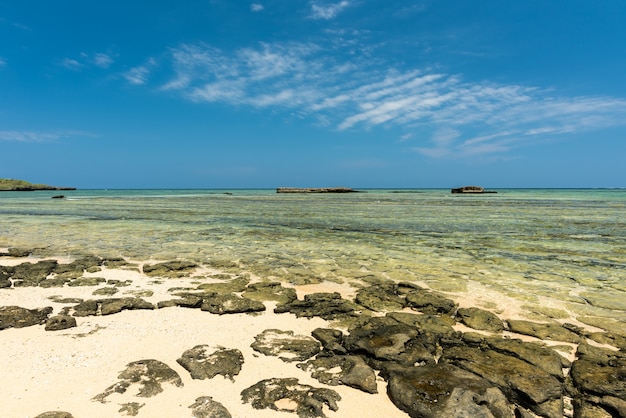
480,319
351,371
289,395
171,269
18,317
285,345
230,304
202,365
60,322
149,375
328,306
206,407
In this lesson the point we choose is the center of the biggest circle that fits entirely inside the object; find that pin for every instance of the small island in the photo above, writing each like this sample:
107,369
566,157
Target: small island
315,190
11,185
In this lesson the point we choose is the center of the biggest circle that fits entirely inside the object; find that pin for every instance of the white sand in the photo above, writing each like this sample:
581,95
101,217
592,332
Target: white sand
63,370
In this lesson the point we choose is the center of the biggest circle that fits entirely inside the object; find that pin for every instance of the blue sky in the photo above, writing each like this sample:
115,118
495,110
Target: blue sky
356,93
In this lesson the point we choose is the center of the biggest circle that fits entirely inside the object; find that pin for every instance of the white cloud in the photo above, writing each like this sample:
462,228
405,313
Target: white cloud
33,136
2,62
72,64
461,117
327,11
102,60
256,7
139,75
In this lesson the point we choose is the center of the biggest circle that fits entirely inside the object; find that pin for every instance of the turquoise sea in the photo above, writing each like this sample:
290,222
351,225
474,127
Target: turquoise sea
551,253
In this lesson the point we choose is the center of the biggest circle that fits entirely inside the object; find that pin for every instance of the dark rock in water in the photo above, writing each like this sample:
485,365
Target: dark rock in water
55,414
18,252
328,306
109,306
171,269
28,274
238,284
18,317
288,395
206,407
351,371
148,374
131,408
230,304
270,291
522,383
202,365
480,319
553,331
444,390
430,302
331,339
599,378
285,345
60,322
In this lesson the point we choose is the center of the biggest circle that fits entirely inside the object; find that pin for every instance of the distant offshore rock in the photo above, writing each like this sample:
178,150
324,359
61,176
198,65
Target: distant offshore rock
472,190
315,190
11,185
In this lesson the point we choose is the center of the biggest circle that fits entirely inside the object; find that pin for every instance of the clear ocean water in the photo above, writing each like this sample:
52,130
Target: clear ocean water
557,253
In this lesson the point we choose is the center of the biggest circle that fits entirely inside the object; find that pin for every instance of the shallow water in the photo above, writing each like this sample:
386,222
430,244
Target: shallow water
556,252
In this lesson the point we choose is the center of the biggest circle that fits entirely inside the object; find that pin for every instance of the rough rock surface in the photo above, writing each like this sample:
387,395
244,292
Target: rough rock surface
552,331
202,365
18,317
230,304
131,408
148,374
351,371
55,414
388,296
171,269
285,345
480,319
29,274
324,305
60,322
331,339
206,407
270,291
443,390
429,302
289,395
109,306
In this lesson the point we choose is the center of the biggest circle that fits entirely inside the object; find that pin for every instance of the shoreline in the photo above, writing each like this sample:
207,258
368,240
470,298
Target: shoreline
64,370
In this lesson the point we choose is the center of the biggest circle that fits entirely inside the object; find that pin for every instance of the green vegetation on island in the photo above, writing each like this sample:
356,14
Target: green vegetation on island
11,185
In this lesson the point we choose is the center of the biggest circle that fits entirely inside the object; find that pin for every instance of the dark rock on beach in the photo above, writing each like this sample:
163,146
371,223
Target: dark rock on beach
270,291
289,395
551,331
430,302
29,274
351,371
60,322
443,390
382,297
202,365
109,306
599,379
55,414
324,305
206,407
18,317
285,345
148,374
331,339
230,304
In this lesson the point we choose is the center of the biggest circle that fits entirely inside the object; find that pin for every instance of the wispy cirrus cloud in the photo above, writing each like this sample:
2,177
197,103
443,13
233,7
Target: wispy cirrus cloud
327,11
139,75
464,118
85,60
256,7
38,136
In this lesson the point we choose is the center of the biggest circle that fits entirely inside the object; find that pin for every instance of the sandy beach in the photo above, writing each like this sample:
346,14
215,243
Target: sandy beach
64,370
76,370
